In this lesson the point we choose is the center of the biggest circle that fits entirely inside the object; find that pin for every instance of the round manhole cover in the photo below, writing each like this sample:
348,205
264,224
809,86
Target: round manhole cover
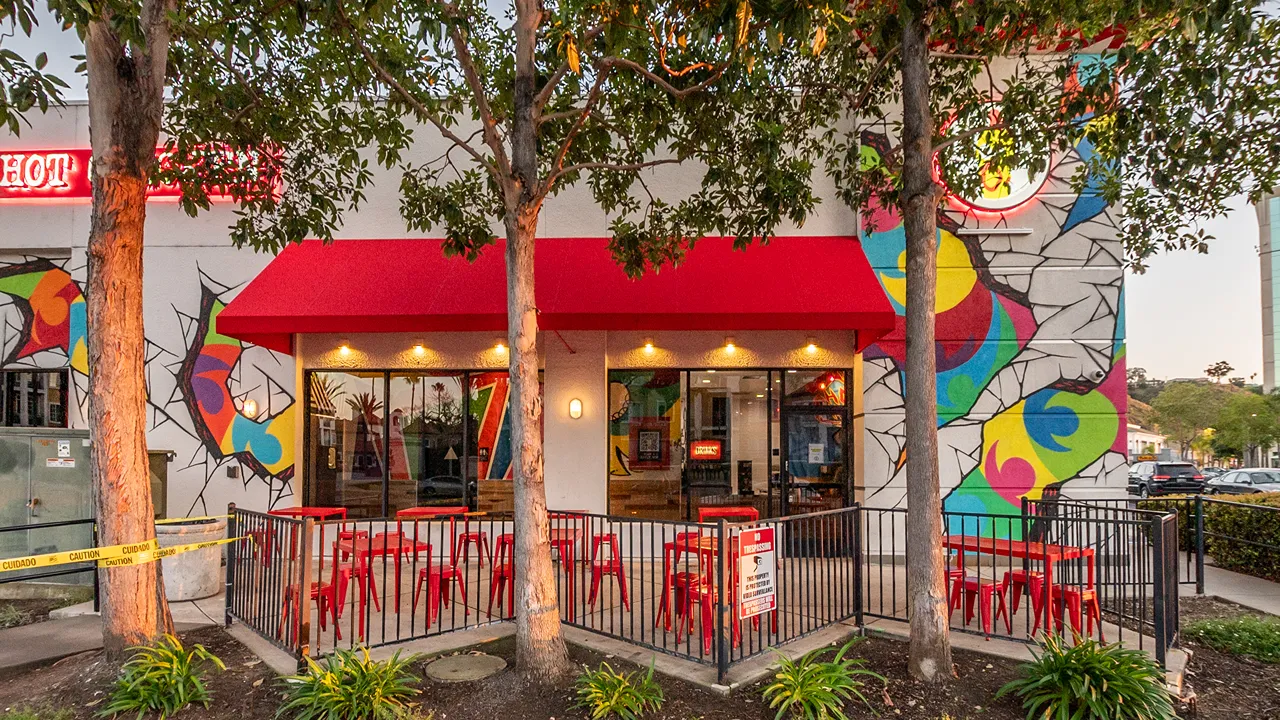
465,668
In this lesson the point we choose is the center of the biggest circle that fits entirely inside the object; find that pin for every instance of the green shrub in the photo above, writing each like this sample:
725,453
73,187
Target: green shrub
816,689
348,685
1250,636
12,616
605,692
1255,525
1091,680
164,679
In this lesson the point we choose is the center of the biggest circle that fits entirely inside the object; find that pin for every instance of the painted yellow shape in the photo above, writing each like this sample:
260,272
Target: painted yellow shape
956,276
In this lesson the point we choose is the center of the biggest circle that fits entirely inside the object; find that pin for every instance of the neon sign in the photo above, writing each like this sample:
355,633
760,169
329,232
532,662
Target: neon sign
999,188
65,175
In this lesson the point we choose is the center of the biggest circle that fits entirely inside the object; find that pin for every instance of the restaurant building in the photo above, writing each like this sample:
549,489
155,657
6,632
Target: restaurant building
371,373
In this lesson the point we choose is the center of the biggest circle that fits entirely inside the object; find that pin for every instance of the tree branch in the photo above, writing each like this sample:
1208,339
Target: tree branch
422,110
623,167
544,95
610,62
587,105
468,63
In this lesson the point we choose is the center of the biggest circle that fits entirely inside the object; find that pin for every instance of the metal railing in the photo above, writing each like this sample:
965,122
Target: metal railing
682,588
57,570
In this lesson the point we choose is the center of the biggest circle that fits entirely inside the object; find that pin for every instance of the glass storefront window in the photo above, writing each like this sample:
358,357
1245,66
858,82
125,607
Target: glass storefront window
426,465
814,387
773,440
35,398
345,456
646,443
447,436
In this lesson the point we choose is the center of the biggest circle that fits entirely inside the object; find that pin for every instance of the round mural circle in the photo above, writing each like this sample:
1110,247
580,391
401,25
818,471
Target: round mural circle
959,165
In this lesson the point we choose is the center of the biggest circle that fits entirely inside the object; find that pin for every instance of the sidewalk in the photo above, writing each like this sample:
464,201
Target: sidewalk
1261,595
76,629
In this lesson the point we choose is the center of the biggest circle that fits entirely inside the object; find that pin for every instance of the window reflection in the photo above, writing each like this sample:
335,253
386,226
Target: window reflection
345,454
426,441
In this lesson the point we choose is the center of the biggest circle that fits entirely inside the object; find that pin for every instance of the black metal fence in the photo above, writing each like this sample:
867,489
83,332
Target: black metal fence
700,591
56,571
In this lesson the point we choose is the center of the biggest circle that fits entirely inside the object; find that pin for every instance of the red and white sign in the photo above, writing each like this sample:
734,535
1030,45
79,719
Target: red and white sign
705,450
757,572
63,175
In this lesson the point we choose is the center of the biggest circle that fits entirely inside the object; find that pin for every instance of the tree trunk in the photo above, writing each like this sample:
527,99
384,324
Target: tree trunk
540,648
930,652
125,106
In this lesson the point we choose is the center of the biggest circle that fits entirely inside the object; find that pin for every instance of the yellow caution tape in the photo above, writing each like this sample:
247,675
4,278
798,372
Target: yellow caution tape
111,556
152,555
170,521
77,556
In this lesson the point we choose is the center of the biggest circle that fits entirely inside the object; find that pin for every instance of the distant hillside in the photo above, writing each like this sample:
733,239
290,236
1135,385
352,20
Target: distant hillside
1141,413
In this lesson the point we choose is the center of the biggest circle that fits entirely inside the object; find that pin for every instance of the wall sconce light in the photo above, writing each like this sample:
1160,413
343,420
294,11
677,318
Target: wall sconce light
500,346
344,349
249,408
811,345
648,346
575,408
729,345
419,348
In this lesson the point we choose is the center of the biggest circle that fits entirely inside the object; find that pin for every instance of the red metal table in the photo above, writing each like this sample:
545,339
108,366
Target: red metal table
748,512
384,544
303,511
1024,549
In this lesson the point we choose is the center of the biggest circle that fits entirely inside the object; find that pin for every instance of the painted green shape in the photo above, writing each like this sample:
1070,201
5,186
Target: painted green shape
21,285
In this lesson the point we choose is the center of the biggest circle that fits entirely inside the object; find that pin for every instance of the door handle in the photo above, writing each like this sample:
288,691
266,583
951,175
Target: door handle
34,502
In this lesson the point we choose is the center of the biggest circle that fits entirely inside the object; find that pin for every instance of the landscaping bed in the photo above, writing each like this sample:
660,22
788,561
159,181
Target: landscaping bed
14,613
1227,686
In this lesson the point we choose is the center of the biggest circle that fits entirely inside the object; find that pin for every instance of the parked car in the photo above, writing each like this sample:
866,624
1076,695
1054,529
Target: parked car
1212,472
1244,482
1164,478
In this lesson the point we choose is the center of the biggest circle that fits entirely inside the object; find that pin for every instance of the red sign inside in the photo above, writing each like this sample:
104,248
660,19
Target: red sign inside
59,174
704,450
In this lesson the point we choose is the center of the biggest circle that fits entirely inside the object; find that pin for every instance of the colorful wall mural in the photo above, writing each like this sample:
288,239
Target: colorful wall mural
197,383
1030,335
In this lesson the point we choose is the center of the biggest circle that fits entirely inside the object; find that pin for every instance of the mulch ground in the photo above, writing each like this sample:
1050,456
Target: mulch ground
25,612
1227,687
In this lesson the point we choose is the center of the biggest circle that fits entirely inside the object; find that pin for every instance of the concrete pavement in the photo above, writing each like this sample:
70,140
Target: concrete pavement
1251,592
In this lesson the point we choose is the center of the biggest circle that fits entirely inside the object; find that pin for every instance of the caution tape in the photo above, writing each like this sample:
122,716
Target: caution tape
112,555
151,555
77,556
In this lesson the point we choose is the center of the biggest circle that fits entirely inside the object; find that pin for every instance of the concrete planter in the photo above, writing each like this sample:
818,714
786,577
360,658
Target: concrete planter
196,574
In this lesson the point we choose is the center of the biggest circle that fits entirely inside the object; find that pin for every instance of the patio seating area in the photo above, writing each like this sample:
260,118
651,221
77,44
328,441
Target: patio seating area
681,588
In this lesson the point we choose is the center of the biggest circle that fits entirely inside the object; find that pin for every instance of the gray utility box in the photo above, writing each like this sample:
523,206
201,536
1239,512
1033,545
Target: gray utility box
44,478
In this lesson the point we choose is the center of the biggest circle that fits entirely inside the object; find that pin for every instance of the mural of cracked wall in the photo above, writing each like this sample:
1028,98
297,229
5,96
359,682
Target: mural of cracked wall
198,382
1030,338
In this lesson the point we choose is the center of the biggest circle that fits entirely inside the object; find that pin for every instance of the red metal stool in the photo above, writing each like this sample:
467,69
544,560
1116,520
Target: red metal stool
1073,601
989,593
465,539
691,589
502,574
1017,581
611,566
440,577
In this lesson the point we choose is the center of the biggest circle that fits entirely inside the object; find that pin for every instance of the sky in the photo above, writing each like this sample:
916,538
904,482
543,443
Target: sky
1185,313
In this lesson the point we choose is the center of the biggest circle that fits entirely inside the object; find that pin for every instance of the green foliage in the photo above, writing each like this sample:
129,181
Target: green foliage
1245,422
13,616
1251,636
1091,680
1256,519
605,692
23,84
163,679
348,685
1185,409
816,689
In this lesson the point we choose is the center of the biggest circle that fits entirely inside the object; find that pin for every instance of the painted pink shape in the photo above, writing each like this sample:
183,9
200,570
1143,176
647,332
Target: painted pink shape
882,218
1015,478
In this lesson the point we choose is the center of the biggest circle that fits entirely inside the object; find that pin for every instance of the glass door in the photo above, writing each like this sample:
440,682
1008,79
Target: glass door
815,472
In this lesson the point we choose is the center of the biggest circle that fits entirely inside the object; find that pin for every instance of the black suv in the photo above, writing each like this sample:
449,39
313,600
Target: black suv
1165,478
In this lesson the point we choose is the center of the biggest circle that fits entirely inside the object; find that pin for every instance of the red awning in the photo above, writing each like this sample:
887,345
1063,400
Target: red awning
372,286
